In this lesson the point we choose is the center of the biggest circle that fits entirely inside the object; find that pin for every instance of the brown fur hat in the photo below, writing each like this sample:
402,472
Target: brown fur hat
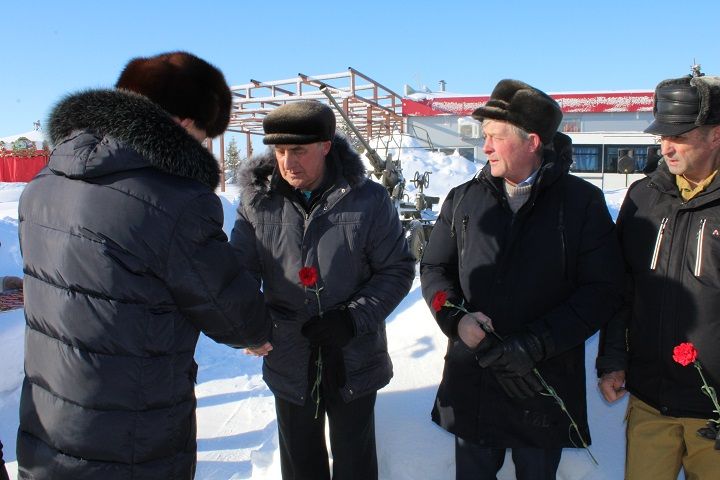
524,106
184,85
299,123
682,104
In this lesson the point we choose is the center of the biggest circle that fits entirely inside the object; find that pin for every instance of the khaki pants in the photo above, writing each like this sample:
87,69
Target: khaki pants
658,446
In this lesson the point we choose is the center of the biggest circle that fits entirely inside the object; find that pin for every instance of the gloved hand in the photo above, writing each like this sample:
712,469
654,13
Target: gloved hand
512,362
520,387
516,355
334,327
333,367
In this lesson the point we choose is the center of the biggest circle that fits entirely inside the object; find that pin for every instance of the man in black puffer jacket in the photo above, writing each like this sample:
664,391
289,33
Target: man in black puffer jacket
125,264
531,249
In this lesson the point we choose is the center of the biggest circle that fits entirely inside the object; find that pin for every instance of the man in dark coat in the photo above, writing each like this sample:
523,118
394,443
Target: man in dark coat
125,264
530,251
308,204
652,160
626,163
669,229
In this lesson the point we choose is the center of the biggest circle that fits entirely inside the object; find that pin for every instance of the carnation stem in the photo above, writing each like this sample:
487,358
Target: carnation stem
551,391
709,391
315,392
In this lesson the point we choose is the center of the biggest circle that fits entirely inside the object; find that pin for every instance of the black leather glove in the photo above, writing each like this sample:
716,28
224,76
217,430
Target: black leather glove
515,355
512,362
520,387
334,327
711,431
333,367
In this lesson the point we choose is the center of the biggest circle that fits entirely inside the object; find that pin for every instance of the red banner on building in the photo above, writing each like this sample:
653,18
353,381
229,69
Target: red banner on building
569,102
21,169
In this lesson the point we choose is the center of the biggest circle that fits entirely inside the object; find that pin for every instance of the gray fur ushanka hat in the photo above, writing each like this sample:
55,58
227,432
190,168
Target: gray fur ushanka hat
524,106
299,123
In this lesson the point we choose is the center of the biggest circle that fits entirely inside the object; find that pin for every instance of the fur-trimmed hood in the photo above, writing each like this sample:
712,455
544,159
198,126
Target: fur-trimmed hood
130,132
259,175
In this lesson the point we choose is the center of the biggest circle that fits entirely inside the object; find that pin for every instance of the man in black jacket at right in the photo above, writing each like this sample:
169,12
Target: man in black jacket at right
669,228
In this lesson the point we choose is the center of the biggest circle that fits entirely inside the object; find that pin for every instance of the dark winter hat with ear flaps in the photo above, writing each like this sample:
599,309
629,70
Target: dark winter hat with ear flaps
184,85
524,106
682,104
299,123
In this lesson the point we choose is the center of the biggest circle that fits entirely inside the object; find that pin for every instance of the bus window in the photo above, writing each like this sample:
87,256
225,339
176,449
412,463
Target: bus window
586,158
612,153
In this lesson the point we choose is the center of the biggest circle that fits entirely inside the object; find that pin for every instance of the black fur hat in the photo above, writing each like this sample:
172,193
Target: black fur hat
184,85
682,104
524,106
299,123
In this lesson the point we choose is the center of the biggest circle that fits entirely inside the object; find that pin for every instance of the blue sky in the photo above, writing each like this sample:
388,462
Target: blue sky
51,48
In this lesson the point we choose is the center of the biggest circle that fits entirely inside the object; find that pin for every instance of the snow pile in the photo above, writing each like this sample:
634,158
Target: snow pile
237,431
446,171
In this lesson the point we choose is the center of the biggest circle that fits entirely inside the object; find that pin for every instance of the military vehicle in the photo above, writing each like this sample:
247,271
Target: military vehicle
388,172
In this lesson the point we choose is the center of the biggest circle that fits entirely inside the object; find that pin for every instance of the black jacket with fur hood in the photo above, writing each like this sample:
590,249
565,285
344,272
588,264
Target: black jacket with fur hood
125,263
353,237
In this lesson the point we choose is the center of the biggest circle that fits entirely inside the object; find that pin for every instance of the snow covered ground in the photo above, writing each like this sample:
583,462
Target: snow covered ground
237,432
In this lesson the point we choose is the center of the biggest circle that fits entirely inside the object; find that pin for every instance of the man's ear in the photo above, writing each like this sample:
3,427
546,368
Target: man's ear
535,142
326,147
184,122
715,136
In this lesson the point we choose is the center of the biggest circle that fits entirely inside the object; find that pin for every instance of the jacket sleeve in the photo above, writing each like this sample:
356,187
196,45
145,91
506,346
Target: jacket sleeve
597,292
612,349
211,288
242,238
439,268
392,267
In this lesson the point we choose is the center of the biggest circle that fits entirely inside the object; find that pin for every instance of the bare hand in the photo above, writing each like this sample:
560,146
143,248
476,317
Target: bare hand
612,385
470,330
260,351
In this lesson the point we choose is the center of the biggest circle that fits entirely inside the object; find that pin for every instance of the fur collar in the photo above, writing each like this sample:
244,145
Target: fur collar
258,175
138,123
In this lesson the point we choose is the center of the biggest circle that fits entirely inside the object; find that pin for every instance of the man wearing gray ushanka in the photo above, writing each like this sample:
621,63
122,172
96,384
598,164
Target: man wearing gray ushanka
531,250
125,264
307,203
668,227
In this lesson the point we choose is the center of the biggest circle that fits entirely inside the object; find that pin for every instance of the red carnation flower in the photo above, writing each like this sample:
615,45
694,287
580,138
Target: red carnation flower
308,276
685,354
439,300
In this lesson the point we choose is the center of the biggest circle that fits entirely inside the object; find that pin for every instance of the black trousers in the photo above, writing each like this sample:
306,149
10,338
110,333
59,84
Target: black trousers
303,452
473,462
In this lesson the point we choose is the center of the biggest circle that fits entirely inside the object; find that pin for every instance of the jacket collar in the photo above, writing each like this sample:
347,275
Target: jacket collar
259,175
664,181
90,127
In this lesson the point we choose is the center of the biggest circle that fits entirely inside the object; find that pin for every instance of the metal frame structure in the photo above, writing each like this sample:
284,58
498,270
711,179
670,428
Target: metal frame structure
372,107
